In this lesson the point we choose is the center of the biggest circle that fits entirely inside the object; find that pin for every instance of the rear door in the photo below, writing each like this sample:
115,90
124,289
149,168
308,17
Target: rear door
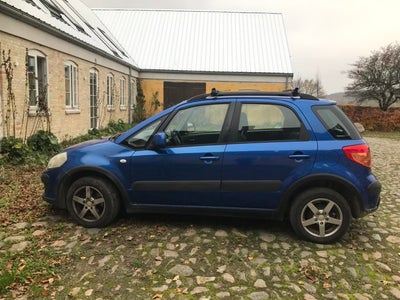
270,148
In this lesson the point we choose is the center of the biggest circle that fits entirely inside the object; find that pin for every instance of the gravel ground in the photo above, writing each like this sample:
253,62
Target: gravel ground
175,257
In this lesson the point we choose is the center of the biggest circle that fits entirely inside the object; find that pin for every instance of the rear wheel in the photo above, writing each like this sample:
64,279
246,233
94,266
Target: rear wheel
92,202
320,215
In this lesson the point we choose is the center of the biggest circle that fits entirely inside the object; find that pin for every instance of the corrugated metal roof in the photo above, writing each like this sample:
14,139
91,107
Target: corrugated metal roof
75,19
201,41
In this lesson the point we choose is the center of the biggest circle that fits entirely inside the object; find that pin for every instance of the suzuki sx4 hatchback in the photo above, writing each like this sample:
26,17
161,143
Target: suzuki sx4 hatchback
283,156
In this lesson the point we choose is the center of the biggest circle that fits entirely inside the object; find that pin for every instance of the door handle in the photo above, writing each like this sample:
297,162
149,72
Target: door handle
209,158
299,156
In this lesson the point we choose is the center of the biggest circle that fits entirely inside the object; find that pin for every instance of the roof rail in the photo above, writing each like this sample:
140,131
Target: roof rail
287,93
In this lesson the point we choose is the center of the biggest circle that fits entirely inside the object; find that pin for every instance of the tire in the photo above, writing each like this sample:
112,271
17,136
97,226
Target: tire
92,202
320,215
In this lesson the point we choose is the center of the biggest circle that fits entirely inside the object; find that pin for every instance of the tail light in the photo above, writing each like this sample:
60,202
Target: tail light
359,154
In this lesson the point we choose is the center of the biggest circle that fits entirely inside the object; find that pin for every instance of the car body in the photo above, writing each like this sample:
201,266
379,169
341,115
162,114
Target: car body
270,155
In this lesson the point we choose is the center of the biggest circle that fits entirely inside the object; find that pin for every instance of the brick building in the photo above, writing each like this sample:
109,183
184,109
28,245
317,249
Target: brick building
74,69
68,72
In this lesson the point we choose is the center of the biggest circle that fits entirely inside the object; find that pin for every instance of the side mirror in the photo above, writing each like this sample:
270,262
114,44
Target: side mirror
159,140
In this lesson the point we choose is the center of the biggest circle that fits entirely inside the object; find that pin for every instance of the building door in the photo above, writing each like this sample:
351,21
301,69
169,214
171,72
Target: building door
175,92
94,96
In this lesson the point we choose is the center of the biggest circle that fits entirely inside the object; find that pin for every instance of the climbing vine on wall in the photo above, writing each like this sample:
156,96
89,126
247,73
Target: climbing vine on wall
10,107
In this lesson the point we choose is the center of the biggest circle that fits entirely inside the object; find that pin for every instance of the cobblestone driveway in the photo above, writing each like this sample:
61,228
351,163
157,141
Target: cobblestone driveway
173,257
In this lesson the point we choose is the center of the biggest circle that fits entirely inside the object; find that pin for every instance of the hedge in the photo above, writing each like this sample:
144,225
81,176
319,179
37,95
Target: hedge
374,119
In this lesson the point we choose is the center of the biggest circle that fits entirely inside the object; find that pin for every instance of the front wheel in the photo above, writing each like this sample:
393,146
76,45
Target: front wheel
92,202
320,215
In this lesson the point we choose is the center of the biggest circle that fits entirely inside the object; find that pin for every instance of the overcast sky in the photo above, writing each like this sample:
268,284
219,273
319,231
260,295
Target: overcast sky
325,36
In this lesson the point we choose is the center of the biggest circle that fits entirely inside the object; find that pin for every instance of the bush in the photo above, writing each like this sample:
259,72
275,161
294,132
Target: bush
14,150
44,142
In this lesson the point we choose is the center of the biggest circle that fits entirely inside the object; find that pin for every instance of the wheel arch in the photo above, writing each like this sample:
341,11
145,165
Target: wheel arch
340,185
88,171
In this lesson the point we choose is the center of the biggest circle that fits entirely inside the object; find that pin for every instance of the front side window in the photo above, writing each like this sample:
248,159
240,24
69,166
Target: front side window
71,85
110,91
268,122
37,81
199,125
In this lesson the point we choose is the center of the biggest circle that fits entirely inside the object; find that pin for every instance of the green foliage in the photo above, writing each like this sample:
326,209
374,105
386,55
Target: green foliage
139,112
113,127
155,102
44,141
14,150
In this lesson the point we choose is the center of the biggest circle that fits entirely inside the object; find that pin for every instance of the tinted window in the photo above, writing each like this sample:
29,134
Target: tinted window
336,122
196,125
267,122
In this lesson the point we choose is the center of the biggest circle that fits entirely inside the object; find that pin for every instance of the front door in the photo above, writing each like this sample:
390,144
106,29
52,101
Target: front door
187,172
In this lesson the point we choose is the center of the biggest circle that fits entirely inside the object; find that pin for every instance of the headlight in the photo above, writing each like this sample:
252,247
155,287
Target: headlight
57,160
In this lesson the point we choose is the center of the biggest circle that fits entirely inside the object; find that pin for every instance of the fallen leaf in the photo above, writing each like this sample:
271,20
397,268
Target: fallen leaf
327,285
157,296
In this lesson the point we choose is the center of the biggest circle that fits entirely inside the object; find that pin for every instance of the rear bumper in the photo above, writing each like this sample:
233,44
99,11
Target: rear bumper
374,191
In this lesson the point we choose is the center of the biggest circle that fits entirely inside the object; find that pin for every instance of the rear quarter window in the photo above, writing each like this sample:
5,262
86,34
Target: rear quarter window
336,122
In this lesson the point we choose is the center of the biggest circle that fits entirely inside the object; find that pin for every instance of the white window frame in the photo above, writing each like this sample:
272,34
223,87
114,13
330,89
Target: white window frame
133,93
94,98
110,91
122,93
71,87
36,56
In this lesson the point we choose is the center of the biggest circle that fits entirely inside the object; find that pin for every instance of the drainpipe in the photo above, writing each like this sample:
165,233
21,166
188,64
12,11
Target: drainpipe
130,95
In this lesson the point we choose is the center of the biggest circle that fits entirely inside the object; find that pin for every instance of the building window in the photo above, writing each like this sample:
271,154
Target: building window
71,85
37,82
132,95
122,93
110,91
94,96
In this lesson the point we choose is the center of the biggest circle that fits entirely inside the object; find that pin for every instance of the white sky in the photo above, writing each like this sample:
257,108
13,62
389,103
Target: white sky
325,36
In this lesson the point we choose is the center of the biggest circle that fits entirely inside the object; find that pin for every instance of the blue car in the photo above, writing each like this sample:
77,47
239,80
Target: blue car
282,156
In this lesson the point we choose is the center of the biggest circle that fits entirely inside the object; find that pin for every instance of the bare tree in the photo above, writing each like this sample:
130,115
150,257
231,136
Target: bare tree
377,77
310,86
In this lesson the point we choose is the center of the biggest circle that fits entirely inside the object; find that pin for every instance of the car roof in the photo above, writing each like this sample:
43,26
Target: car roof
289,94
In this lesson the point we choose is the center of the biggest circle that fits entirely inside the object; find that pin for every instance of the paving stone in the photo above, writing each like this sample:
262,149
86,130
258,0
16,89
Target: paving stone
181,270
19,247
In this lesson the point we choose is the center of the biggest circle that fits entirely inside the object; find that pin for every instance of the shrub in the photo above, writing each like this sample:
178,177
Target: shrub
14,150
44,142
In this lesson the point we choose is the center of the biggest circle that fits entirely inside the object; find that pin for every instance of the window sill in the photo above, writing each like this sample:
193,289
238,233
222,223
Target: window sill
33,112
110,108
123,107
72,111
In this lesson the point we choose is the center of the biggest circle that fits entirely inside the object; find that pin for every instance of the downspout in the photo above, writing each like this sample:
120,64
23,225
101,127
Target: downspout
130,96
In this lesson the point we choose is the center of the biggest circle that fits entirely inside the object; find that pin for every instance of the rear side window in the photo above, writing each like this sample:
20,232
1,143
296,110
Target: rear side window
268,122
336,122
